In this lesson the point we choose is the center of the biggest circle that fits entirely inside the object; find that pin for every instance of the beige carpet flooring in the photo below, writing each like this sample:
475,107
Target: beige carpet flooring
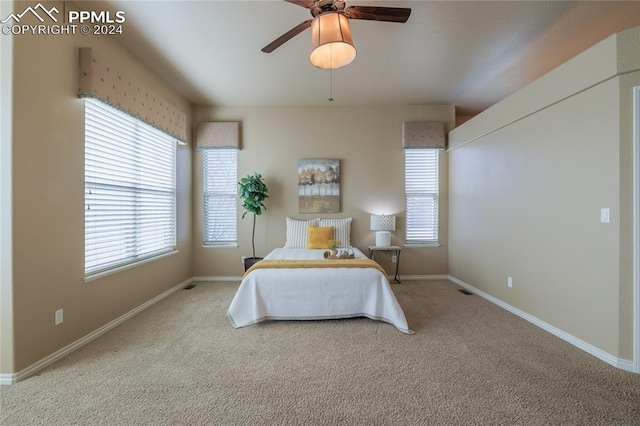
469,363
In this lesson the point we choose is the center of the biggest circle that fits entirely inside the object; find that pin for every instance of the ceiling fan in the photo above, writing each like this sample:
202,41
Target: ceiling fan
332,45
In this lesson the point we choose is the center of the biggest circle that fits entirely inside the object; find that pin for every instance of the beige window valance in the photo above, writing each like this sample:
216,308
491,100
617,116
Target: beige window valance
218,135
115,87
423,134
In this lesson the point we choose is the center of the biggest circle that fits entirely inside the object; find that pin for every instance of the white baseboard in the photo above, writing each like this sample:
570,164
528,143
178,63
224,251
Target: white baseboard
8,379
216,279
623,364
626,365
422,277
402,278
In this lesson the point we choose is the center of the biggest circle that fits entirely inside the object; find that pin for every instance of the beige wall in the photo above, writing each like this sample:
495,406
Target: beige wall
6,289
628,46
48,198
367,140
528,178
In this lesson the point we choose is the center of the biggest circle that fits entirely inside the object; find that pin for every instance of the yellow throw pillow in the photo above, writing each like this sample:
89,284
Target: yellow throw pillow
319,237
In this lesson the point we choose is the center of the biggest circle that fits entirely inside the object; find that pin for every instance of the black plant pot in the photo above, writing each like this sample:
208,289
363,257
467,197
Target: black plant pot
250,261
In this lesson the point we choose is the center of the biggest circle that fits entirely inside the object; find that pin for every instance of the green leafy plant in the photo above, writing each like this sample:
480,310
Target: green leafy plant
253,191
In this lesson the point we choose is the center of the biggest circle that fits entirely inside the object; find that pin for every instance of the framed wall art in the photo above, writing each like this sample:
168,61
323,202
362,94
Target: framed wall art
319,185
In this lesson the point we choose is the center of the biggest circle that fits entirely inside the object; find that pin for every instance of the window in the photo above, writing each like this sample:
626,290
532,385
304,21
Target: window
220,191
421,195
130,189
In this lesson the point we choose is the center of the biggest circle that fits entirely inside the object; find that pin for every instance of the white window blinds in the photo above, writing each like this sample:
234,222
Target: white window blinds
421,196
130,190
220,190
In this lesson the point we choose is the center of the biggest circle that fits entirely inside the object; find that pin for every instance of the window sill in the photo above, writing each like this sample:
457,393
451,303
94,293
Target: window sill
225,245
422,245
103,274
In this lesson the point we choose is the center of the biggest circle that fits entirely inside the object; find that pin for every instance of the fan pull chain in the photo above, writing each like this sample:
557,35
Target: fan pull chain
330,86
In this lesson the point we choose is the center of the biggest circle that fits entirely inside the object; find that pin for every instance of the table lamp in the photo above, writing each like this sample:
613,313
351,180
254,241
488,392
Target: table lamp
383,224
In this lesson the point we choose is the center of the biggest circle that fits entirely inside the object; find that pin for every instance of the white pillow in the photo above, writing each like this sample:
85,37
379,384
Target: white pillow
341,229
297,233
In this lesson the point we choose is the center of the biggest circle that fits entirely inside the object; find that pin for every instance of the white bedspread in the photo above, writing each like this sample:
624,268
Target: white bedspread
314,293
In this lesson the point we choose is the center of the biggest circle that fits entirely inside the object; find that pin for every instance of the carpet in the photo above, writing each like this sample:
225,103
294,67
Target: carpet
470,363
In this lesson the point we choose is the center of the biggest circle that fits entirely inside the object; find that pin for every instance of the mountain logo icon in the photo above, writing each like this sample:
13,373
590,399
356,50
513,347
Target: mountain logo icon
34,11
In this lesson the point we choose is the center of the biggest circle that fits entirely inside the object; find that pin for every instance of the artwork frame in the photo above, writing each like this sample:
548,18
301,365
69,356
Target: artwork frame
319,185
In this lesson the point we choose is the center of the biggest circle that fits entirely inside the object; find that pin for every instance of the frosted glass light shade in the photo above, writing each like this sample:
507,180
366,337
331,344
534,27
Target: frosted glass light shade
331,42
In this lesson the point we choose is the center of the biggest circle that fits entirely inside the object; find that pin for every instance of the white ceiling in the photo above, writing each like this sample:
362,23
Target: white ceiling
470,54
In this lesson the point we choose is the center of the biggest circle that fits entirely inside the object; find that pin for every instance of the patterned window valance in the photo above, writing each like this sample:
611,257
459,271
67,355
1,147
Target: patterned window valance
218,135
423,134
115,87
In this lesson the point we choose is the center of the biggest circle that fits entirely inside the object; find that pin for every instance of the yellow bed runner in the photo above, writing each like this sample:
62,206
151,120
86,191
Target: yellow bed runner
322,263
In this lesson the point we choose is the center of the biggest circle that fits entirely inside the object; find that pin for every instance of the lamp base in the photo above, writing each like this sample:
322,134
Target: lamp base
383,238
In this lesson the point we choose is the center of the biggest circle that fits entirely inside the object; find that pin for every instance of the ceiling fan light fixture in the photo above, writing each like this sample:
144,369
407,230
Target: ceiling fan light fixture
331,42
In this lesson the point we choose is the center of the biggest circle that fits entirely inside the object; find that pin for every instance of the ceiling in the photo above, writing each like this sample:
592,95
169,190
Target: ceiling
470,54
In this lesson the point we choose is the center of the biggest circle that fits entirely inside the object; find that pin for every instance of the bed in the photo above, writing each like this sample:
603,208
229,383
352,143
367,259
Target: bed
301,284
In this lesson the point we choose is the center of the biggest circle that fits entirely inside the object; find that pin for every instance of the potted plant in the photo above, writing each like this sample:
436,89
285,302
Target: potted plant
253,191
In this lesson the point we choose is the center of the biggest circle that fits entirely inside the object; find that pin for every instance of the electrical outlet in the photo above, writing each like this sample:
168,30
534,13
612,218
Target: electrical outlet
394,259
242,259
605,215
59,316
510,281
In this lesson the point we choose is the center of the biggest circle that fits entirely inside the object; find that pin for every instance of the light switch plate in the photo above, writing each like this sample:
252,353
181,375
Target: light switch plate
605,215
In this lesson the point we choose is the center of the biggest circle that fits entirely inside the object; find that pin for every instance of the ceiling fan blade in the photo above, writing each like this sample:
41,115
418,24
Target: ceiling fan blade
374,13
287,36
303,3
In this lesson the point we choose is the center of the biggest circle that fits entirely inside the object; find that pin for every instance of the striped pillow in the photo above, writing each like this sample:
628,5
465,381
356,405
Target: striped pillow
341,229
297,234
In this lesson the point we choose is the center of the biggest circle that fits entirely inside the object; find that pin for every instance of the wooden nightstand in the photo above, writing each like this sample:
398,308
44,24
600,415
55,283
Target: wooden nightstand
396,249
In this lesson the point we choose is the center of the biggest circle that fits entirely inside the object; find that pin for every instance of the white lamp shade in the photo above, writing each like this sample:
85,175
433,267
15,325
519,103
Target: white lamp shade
331,42
383,222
